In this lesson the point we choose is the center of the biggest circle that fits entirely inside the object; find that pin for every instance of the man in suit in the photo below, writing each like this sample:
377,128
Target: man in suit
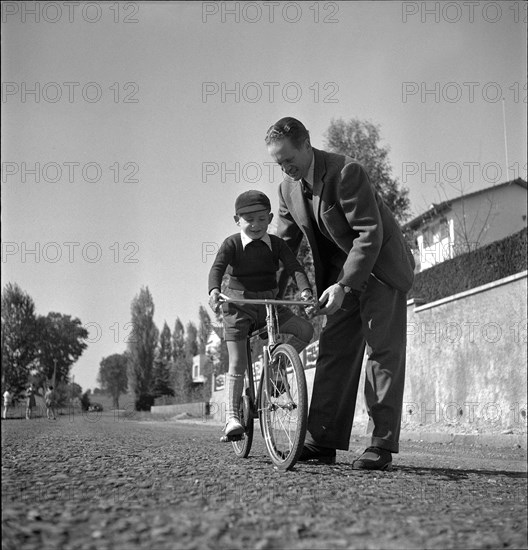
363,270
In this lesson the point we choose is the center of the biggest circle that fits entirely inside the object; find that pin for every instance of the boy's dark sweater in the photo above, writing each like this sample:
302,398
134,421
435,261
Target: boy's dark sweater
255,267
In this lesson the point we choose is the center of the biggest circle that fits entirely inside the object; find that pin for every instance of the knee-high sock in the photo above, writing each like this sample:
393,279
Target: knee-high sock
235,385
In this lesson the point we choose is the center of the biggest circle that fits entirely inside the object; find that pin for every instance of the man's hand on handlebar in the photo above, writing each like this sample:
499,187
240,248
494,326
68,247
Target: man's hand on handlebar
331,300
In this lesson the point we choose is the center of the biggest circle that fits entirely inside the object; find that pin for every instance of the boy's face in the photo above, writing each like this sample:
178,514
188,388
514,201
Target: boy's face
254,224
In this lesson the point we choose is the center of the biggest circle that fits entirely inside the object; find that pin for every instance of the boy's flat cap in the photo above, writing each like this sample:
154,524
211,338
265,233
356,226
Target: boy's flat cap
251,201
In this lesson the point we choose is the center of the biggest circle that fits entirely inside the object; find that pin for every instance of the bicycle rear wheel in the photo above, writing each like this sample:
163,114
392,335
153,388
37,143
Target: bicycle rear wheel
284,407
242,446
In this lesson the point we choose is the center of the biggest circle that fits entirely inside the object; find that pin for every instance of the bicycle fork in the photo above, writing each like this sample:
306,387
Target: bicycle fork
288,403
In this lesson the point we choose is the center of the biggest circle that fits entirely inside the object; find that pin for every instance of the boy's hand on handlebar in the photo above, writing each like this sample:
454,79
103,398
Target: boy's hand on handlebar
214,300
307,296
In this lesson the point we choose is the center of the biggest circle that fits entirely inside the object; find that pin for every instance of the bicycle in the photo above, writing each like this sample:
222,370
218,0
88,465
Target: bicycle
281,400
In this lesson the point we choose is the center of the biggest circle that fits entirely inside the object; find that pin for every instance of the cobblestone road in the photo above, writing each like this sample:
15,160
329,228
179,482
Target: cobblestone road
118,483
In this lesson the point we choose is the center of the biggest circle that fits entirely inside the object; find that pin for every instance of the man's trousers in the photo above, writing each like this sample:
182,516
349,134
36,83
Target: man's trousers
376,319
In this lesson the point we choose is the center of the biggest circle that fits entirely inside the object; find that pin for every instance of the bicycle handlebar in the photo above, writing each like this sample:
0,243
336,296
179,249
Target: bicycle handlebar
266,301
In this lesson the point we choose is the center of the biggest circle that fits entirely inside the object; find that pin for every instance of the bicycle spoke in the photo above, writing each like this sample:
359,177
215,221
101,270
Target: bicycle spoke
285,431
284,423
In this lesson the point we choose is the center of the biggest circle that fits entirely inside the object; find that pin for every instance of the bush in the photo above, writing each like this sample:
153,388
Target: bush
144,402
85,401
63,394
487,264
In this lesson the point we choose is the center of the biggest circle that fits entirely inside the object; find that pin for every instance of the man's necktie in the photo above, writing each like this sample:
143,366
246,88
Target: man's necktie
306,190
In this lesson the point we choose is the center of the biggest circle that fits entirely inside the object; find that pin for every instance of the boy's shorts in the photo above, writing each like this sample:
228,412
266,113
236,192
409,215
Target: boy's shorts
241,319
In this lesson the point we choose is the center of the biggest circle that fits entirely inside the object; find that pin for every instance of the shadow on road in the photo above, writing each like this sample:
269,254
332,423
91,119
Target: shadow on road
449,473
438,473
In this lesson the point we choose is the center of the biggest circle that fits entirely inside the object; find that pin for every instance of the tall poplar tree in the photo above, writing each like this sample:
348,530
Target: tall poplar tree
182,375
141,347
163,364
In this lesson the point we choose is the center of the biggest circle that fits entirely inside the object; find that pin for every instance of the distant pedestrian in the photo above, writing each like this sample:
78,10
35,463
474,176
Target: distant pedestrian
49,399
30,401
7,402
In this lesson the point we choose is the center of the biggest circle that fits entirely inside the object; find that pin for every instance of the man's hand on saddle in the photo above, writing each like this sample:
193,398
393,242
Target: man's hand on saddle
214,300
331,300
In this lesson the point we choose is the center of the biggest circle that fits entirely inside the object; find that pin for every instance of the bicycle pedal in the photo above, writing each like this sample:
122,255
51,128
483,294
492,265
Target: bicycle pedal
229,438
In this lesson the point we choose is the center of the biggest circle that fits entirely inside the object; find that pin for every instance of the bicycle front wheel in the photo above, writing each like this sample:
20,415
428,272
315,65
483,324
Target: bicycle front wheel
284,407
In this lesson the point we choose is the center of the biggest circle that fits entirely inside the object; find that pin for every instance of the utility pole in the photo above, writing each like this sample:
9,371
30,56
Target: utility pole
505,138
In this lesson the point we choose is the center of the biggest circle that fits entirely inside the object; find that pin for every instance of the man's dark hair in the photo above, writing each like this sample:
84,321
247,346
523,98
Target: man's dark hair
288,127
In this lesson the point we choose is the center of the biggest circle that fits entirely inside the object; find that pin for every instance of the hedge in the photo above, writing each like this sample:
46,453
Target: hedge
487,264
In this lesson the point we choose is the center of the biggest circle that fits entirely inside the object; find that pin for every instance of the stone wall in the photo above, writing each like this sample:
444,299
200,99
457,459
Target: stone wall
466,360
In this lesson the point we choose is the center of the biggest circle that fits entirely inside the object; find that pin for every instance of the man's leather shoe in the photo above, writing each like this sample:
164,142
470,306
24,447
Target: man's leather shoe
326,455
374,458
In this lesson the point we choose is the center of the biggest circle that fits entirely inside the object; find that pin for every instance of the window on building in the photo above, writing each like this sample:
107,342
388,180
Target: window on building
428,238
443,230
435,233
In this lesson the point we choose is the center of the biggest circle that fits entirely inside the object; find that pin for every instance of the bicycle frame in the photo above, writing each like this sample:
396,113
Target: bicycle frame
280,401
272,328
272,324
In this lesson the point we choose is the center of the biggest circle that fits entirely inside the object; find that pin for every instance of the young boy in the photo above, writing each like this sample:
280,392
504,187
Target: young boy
251,259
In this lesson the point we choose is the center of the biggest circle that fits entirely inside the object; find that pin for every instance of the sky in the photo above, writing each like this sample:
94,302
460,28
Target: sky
129,128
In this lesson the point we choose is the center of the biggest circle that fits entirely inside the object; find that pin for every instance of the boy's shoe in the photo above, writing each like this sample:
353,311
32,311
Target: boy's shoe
374,458
233,427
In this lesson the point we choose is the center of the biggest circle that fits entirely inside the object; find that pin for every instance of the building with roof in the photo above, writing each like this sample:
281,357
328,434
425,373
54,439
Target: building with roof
467,222
204,363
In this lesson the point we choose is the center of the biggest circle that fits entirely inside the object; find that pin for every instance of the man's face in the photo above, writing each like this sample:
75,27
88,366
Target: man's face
293,162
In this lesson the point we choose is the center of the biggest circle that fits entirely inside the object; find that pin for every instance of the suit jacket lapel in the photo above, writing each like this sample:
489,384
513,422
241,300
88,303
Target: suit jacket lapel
302,217
319,173
299,211
296,204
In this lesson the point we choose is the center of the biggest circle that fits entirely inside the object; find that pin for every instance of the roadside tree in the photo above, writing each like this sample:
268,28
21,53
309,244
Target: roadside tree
141,349
61,341
163,365
19,338
113,377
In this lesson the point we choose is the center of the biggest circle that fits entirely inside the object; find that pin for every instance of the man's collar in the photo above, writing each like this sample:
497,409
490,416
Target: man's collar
309,179
246,240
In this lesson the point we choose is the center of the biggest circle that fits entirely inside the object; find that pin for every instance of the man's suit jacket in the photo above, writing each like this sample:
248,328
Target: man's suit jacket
349,212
